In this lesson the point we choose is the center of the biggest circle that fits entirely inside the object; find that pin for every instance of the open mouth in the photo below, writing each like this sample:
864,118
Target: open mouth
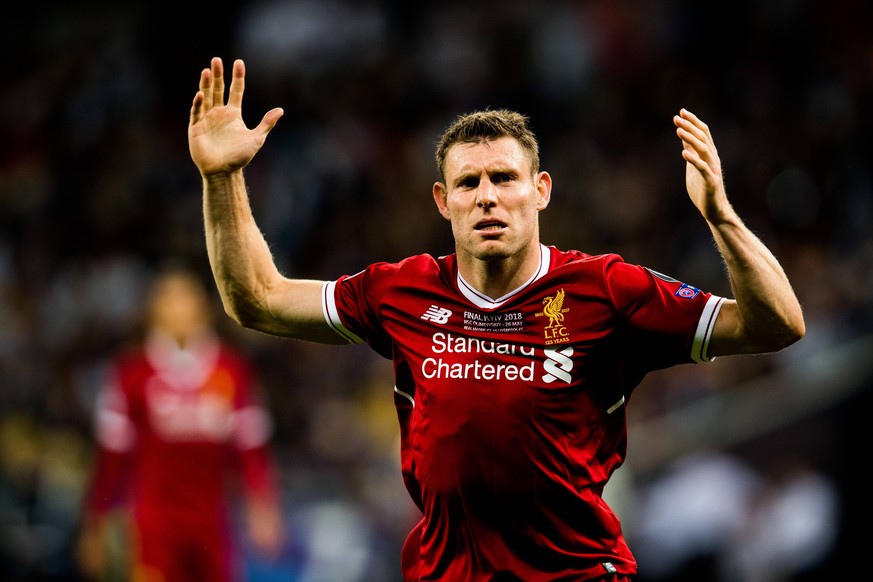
490,226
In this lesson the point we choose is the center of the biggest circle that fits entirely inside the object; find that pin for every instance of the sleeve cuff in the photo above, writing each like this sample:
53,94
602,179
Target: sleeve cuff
705,326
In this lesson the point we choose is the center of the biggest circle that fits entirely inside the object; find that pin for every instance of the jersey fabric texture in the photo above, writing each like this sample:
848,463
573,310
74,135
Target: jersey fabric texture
179,432
512,410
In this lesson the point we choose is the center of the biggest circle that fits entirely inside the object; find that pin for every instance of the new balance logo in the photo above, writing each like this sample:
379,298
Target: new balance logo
436,314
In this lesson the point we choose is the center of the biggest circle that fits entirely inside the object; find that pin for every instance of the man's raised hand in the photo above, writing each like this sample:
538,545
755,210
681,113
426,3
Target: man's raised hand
218,139
703,174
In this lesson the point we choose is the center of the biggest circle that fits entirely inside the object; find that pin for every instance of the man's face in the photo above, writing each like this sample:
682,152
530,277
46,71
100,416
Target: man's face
492,199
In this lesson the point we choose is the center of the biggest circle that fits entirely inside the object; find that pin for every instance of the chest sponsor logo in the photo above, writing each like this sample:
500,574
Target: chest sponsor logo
553,307
558,365
437,314
490,360
462,357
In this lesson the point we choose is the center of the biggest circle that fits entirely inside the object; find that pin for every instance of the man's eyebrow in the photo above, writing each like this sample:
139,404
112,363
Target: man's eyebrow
463,177
475,173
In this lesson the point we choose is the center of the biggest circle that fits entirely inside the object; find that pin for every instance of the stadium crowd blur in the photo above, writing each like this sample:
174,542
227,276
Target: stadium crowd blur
742,470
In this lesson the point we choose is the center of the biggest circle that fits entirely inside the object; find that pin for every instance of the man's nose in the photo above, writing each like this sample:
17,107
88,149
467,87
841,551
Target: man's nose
486,194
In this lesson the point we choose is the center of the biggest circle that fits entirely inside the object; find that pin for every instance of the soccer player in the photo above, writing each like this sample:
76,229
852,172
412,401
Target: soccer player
513,360
181,434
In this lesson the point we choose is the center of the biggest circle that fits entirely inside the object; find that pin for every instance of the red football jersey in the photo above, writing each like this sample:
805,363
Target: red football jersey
177,431
512,410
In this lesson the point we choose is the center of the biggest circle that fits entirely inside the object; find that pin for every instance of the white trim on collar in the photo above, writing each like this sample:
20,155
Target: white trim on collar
481,300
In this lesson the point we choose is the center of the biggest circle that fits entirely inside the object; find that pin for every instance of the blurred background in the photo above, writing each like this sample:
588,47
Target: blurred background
745,470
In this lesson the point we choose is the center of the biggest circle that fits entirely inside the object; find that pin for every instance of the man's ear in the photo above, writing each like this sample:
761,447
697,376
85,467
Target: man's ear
439,197
544,190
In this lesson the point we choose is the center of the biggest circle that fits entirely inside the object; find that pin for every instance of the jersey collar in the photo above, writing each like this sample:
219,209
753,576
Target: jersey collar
483,301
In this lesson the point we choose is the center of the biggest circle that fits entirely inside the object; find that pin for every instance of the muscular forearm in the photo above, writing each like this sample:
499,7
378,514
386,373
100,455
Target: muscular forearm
252,290
241,261
766,315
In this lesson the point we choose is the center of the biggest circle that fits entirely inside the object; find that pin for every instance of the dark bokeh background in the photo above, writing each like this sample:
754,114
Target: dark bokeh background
748,469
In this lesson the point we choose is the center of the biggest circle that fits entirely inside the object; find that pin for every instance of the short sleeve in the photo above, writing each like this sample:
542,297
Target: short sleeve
669,321
351,306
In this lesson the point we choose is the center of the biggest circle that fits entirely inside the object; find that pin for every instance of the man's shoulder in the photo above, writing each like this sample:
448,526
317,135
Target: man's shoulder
561,258
419,272
427,260
416,265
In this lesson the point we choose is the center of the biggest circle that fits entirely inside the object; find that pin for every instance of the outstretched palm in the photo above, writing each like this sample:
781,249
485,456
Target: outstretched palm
218,139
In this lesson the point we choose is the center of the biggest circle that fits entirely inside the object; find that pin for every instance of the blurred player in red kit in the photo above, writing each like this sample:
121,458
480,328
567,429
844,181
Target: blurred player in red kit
181,432
513,360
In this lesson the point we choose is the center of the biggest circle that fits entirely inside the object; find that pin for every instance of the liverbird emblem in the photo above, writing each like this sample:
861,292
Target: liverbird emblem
554,309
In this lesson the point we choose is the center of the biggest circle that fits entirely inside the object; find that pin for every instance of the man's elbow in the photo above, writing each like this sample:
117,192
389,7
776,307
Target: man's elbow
795,332
246,316
234,313
240,308
785,334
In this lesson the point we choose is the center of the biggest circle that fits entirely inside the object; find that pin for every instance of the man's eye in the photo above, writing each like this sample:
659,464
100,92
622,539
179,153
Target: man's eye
502,177
469,183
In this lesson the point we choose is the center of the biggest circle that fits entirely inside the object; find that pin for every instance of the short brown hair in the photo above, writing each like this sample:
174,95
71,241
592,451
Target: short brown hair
487,125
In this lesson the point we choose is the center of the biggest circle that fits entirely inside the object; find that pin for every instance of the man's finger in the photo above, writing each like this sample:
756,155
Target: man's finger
217,82
237,84
197,107
205,88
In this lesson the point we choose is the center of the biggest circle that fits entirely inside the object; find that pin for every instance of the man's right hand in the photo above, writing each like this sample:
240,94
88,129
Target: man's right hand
218,139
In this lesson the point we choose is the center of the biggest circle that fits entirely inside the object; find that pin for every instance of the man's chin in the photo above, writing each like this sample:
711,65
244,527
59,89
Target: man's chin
492,251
